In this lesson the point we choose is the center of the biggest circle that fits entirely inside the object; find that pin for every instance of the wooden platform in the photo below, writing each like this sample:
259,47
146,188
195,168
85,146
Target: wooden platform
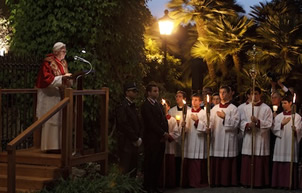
34,170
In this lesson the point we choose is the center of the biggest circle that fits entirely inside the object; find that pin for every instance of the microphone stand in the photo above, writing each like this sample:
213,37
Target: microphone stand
79,106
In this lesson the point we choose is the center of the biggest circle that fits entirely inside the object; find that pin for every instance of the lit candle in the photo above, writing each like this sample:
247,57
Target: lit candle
184,102
205,108
177,117
208,104
294,106
275,108
163,101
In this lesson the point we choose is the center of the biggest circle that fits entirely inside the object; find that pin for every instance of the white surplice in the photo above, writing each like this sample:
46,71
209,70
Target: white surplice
174,112
52,130
224,141
282,150
174,131
262,134
195,140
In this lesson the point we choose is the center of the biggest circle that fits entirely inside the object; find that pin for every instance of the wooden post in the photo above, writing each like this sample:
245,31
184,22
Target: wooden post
11,169
292,146
79,118
37,133
1,120
104,129
67,131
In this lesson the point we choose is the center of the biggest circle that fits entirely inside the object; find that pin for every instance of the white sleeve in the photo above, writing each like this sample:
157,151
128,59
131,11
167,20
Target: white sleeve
276,129
232,119
57,81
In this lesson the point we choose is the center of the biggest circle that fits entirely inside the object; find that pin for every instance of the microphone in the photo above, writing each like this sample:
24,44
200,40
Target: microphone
80,59
83,60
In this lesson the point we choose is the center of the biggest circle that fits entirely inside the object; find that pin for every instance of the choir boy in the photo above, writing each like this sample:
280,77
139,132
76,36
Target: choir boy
282,153
224,144
261,121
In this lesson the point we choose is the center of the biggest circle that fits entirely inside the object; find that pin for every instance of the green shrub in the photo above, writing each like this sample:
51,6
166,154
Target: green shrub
114,182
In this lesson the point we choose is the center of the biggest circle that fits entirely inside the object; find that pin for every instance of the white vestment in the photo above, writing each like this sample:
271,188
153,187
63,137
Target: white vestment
52,130
282,150
262,134
174,112
174,131
224,141
195,140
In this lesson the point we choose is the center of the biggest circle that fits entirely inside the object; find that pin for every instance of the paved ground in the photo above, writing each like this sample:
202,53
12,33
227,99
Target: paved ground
230,190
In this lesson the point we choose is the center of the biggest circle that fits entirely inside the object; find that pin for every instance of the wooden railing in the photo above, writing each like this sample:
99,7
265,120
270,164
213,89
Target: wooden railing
68,160
11,147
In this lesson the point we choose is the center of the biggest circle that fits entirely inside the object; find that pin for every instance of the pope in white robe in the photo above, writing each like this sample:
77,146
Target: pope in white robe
51,81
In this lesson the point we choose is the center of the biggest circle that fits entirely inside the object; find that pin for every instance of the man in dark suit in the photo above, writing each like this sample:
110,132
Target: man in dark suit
129,131
155,135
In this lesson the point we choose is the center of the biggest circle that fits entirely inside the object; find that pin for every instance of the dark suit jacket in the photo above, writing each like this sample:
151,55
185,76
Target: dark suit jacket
155,122
128,124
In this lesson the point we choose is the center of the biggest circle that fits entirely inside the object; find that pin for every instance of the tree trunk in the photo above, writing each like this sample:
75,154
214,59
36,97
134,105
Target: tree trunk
237,65
211,70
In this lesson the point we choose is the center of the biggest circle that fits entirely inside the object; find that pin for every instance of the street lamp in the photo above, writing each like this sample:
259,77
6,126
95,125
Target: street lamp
166,25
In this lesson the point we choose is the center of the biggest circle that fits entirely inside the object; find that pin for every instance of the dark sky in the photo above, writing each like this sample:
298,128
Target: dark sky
157,7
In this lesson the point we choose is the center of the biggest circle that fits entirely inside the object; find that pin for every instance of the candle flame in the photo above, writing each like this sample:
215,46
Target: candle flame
205,108
177,117
294,99
275,108
208,98
163,101
184,102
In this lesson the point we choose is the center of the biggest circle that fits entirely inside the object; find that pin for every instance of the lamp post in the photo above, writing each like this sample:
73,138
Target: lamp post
166,25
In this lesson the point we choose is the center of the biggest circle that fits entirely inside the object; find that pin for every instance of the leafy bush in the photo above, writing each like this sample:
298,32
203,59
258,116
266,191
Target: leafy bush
114,182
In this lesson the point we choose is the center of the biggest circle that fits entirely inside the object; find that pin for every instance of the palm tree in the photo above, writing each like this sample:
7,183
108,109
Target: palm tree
279,37
202,13
225,38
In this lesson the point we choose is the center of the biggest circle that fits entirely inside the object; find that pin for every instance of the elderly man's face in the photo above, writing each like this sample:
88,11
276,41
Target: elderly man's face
276,99
61,54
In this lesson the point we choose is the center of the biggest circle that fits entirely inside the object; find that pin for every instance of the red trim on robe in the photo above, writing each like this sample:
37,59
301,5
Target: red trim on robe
224,105
287,113
46,73
195,111
168,117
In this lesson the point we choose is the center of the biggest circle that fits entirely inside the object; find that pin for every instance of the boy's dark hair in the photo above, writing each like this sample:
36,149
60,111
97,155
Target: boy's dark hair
184,95
288,98
197,95
227,88
168,102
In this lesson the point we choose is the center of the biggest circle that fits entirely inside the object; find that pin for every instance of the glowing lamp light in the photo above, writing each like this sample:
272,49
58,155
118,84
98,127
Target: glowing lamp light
275,108
166,24
177,117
